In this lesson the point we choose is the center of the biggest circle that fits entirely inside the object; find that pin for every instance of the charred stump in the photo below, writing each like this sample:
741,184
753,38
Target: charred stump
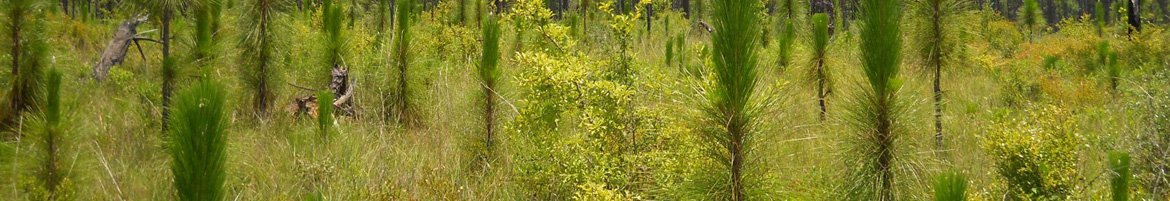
115,51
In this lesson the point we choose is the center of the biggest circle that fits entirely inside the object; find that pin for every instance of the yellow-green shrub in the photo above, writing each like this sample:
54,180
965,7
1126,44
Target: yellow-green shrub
1036,154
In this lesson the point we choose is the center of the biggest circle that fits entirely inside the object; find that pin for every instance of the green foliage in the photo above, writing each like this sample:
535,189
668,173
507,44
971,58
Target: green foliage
787,38
207,19
733,106
1036,154
54,185
1102,57
578,128
198,138
489,74
876,114
820,33
331,23
950,186
325,112
1030,15
260,26
819,73
1099,19
28,52
1119,179
403,110
1154,141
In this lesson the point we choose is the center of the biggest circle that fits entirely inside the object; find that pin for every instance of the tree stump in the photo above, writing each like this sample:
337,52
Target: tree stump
115,51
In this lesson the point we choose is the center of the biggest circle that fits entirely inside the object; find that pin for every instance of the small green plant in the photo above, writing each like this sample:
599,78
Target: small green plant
198,138
819,72
950,186
1102,57
1119,179
331,23
325,112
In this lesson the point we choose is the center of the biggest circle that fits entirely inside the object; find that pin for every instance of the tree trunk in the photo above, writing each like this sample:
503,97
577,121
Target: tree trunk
1135,16
167,85
116,50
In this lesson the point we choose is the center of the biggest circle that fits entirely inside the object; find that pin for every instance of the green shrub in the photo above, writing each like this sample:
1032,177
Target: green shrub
1119,179
1036,154
54,141
198,138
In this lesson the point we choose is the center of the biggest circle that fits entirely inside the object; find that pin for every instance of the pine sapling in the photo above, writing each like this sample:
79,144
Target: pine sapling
819,72
198,140
950,186
1119,179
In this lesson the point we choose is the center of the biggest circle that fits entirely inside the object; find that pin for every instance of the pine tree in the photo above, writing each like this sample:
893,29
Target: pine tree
1119,179
733,105
166,10
258,61
197,142
1030,16
819,72
53,137
936,46
789,11
28,52
403,110
489,74
877,110
324,112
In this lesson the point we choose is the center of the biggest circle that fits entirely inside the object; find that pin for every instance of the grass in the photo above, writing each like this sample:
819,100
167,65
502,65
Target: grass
120,154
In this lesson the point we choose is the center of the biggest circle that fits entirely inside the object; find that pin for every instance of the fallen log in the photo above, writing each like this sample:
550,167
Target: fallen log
115,51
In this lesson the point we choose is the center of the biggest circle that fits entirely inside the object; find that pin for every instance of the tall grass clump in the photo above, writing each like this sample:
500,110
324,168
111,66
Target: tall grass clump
403,111
877,110
950,186
27,53
197,142
819,72
733,107
1121,175
258,61
1113,70
935,46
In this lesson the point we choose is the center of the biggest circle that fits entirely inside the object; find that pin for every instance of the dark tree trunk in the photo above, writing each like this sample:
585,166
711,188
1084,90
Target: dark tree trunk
167,85
1135,16
686,4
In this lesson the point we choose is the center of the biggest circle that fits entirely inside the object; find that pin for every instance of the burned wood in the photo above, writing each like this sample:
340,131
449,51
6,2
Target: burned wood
342,87
115,51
